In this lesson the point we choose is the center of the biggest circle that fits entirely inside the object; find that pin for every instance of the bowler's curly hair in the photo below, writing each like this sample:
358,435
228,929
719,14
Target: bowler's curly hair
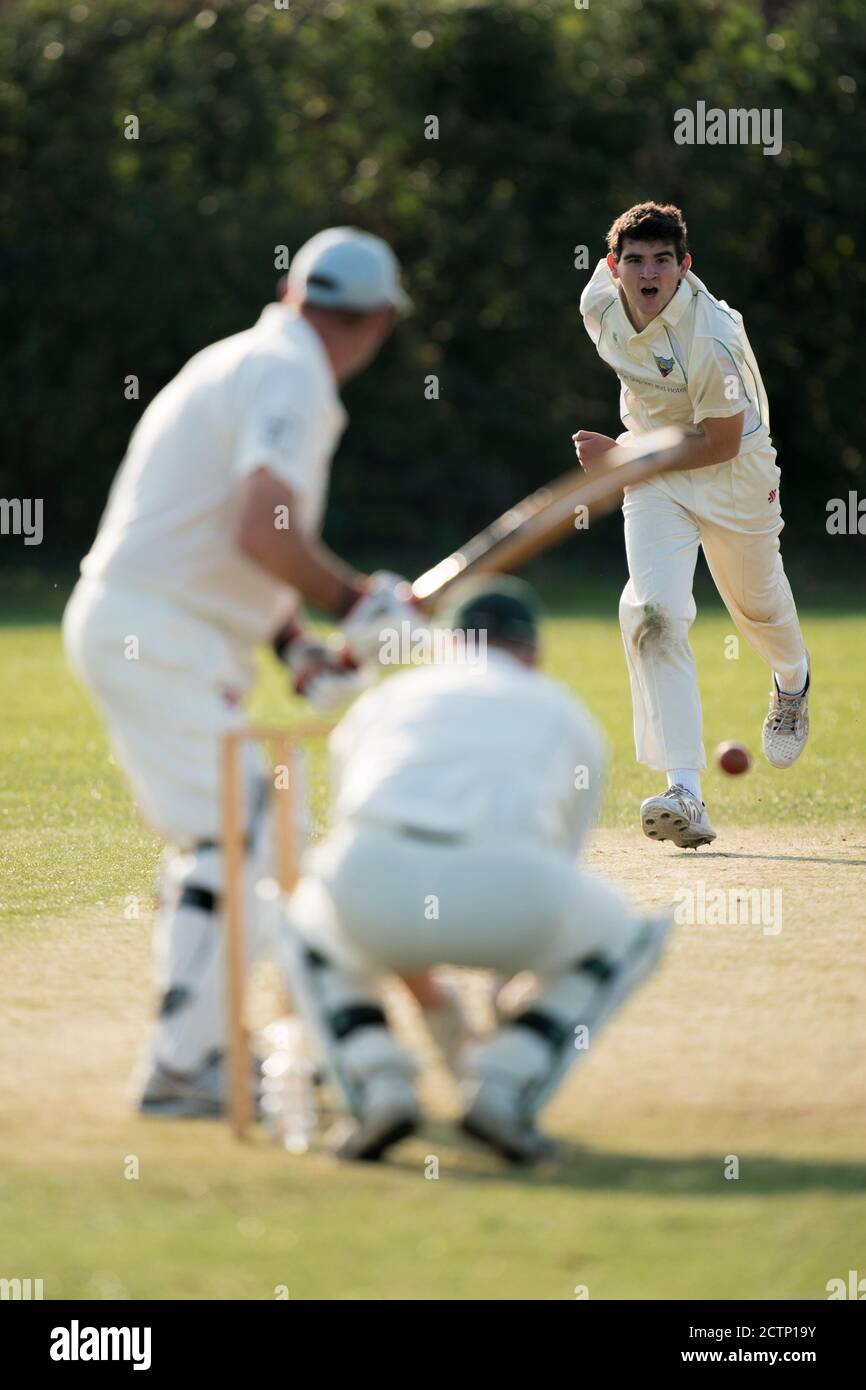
650,222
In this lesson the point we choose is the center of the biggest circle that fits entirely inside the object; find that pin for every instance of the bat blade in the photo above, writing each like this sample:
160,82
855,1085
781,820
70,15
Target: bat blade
547,516
505,526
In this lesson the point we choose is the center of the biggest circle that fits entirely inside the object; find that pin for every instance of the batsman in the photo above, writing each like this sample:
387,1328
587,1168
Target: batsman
207,550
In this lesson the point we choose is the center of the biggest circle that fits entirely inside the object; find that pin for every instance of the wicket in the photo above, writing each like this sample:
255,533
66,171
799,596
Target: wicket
282,742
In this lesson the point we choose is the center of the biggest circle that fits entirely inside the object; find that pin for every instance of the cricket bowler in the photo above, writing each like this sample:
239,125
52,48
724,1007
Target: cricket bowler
682,358
463,793
207,548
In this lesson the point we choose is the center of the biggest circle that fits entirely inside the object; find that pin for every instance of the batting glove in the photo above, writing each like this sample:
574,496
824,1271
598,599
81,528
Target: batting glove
325,672
384,604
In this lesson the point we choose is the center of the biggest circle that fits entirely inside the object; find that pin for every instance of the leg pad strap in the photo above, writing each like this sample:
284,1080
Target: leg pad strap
202,899
354,1016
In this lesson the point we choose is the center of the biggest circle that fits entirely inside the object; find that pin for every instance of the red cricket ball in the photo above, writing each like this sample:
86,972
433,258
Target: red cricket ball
733,758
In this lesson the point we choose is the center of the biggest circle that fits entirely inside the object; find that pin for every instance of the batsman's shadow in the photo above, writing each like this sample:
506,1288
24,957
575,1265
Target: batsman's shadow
585,1169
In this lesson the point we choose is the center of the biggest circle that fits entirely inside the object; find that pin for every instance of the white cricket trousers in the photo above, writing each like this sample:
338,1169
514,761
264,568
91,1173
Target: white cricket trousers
373,900
733,511
168,686
393,902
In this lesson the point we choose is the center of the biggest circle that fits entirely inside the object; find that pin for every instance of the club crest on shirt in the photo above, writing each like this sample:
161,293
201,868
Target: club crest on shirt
664,364
275,429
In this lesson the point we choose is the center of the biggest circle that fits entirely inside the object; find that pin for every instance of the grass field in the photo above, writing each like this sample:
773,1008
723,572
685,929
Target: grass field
748,1044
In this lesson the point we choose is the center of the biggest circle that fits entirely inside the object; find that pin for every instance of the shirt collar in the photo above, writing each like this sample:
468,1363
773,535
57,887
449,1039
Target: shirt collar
673,312
507,660
670,314
281,319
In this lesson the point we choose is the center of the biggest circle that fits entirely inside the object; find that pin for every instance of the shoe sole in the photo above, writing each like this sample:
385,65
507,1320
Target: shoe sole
790,763
780,767
182,1109
501,1146
375,1145
178,1108
660,823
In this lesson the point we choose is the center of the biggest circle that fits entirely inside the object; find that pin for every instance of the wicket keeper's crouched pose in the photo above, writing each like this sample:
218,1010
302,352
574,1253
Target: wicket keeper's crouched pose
683,358
470,787
208,540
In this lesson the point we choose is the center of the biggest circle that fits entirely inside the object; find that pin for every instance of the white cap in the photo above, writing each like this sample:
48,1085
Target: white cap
343,268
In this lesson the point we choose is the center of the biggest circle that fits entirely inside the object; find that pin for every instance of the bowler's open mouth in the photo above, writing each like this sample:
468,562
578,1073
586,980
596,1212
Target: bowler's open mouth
650,292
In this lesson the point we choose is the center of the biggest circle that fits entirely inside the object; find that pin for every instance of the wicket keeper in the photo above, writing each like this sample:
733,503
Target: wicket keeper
454,785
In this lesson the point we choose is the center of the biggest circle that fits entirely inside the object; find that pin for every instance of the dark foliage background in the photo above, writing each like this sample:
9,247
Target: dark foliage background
260,125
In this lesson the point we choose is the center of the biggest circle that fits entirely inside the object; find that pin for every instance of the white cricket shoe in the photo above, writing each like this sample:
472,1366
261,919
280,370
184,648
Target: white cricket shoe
201,1094
677,815
389,1113
497,1117
786,727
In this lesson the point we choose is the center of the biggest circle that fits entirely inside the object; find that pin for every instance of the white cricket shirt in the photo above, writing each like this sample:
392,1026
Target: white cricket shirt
262,398
500,752
692,362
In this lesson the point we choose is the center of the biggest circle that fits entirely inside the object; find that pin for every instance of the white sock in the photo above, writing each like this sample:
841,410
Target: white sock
796,681
687,777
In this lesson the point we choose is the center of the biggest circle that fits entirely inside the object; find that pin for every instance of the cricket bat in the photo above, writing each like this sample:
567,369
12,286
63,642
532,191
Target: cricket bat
548,516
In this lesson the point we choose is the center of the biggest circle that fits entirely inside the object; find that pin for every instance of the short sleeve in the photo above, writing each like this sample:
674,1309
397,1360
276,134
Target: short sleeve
716,384
598,295
278,428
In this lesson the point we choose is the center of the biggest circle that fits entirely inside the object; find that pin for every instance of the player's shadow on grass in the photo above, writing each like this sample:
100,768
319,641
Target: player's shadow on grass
663,1175
777,858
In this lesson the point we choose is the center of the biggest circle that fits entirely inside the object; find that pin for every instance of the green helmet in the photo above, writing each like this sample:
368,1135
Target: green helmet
503,607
